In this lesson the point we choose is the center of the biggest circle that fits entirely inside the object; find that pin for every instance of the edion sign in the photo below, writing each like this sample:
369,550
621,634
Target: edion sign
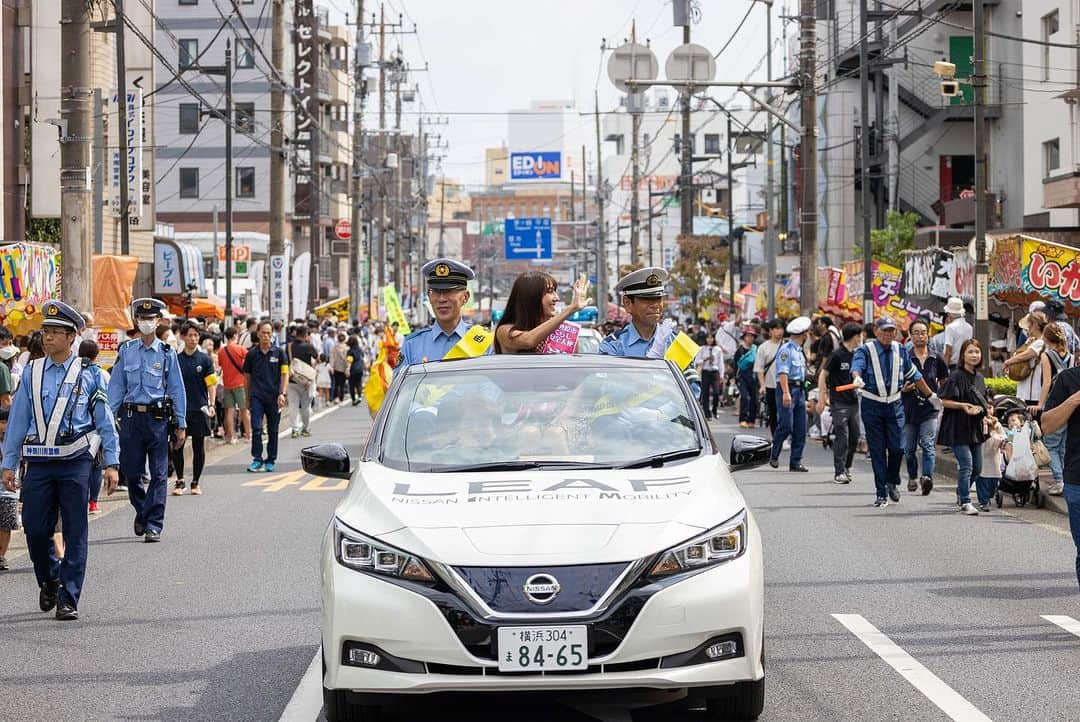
532,166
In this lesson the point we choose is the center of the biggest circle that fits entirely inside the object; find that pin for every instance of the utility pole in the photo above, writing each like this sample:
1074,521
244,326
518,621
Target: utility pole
399,201
731,217
122,129
686,174
442,217
649,206
75,130
228,181
315,185
978,82
382,69
601,236
770,221
634,102
808,158
357,190
99,155
864,161
277,132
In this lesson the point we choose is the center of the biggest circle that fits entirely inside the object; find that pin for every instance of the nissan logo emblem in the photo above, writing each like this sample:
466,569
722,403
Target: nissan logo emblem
541,588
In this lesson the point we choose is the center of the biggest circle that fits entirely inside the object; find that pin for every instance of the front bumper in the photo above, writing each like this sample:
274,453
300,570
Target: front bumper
680,617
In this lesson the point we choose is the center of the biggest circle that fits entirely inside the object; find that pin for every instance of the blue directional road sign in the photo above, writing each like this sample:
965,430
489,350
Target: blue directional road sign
528,239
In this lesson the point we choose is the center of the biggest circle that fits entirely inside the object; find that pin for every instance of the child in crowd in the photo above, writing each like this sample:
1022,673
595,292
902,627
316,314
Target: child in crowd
9,506
993,451
323,380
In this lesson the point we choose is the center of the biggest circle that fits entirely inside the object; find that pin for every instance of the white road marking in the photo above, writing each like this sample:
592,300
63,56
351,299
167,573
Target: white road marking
314,417
306,702
1069,624
930,685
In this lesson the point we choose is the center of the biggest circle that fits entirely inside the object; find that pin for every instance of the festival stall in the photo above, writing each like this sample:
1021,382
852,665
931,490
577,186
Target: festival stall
29,276
1024,269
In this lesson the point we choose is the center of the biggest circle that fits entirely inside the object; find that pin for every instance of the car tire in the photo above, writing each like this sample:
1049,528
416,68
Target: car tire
743,701
340,709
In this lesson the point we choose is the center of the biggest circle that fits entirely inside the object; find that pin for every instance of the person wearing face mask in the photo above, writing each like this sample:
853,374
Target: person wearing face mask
146,393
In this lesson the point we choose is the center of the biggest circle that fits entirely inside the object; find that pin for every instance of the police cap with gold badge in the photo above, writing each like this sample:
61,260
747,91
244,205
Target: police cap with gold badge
147,308
445,274
58,313
643,283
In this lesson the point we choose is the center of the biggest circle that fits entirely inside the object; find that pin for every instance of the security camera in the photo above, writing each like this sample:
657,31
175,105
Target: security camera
945,69
950,88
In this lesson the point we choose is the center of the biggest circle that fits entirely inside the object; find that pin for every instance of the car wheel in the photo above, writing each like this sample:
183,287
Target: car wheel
340,709
743,701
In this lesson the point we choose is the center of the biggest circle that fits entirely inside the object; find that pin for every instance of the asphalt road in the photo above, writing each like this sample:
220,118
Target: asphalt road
937,616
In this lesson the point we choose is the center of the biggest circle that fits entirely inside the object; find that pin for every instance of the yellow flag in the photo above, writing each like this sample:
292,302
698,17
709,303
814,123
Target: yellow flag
394,311
476,341
682,351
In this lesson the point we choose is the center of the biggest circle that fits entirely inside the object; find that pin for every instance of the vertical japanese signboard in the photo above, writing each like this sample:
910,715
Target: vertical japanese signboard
134,157
304,81
279,288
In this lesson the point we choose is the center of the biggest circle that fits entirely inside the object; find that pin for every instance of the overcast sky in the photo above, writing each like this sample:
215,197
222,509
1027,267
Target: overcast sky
490,56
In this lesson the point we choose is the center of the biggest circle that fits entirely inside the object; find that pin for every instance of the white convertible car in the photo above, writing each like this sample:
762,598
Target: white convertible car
526,523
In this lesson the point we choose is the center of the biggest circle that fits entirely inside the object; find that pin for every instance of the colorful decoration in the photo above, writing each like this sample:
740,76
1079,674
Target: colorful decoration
29,276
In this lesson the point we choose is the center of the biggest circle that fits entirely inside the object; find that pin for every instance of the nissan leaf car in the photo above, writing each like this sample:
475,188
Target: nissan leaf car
532,523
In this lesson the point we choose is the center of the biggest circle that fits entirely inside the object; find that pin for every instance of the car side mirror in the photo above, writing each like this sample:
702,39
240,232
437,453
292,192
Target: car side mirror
749,451
329,460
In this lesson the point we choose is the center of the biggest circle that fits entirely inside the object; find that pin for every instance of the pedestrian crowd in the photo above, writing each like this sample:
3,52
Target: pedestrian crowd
73,427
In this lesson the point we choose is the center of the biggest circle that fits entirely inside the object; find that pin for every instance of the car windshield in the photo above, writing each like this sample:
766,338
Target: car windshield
539,417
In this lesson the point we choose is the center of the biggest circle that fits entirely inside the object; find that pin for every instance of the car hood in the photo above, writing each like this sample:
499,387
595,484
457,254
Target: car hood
529,517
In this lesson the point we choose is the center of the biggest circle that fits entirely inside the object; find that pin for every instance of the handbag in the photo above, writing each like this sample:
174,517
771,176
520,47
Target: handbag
300,371
1020,371
1040,452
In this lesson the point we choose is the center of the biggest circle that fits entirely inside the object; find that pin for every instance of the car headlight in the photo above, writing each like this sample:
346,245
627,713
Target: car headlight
365,554
716,546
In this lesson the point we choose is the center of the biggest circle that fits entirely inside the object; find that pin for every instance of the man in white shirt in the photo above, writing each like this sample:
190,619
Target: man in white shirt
765,366
957,330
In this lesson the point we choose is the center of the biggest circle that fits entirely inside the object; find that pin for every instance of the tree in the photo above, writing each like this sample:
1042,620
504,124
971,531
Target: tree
887,244
699,271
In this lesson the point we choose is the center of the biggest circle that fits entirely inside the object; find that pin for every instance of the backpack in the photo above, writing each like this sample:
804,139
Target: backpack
746,361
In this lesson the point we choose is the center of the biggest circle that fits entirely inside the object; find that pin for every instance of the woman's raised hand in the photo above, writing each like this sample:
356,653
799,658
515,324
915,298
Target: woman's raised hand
581,288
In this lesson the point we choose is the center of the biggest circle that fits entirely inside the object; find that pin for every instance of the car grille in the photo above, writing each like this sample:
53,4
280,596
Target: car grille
502,588
606,632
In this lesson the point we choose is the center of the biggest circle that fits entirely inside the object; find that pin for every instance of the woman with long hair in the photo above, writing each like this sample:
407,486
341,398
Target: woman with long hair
1055,358
1030,388
530,315
966,406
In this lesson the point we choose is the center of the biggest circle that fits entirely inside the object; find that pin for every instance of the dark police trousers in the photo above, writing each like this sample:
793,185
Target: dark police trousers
790,421
48,488
143,438
884,425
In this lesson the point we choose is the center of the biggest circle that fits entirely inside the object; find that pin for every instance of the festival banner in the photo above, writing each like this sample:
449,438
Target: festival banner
1048,269
29,276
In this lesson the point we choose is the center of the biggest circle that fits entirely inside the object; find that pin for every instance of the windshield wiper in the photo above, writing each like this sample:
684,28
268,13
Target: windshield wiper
657,460
523,465
490,466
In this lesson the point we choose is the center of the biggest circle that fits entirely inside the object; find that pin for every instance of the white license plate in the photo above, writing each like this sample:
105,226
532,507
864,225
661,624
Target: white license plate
543,649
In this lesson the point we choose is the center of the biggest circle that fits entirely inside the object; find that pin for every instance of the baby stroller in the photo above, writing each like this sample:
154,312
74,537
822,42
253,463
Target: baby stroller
1022,492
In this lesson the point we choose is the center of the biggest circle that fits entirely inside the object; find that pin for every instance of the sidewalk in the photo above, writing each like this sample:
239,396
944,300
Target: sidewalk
945,469
216,450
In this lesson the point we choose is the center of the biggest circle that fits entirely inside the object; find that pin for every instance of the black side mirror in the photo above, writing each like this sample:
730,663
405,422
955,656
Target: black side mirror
749,451
329,460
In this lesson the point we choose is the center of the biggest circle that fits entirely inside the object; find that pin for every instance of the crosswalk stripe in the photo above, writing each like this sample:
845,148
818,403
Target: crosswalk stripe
1069,624
930,685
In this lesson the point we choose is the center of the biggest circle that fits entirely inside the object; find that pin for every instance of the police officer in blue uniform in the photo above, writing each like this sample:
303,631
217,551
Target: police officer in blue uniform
447,282
146,393
642,293
791,395
880,369
59,419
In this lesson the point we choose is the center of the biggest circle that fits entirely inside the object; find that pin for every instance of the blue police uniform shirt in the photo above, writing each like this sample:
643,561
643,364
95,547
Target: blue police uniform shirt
144,374
860,364
432,343
625,342
791,361
91,410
